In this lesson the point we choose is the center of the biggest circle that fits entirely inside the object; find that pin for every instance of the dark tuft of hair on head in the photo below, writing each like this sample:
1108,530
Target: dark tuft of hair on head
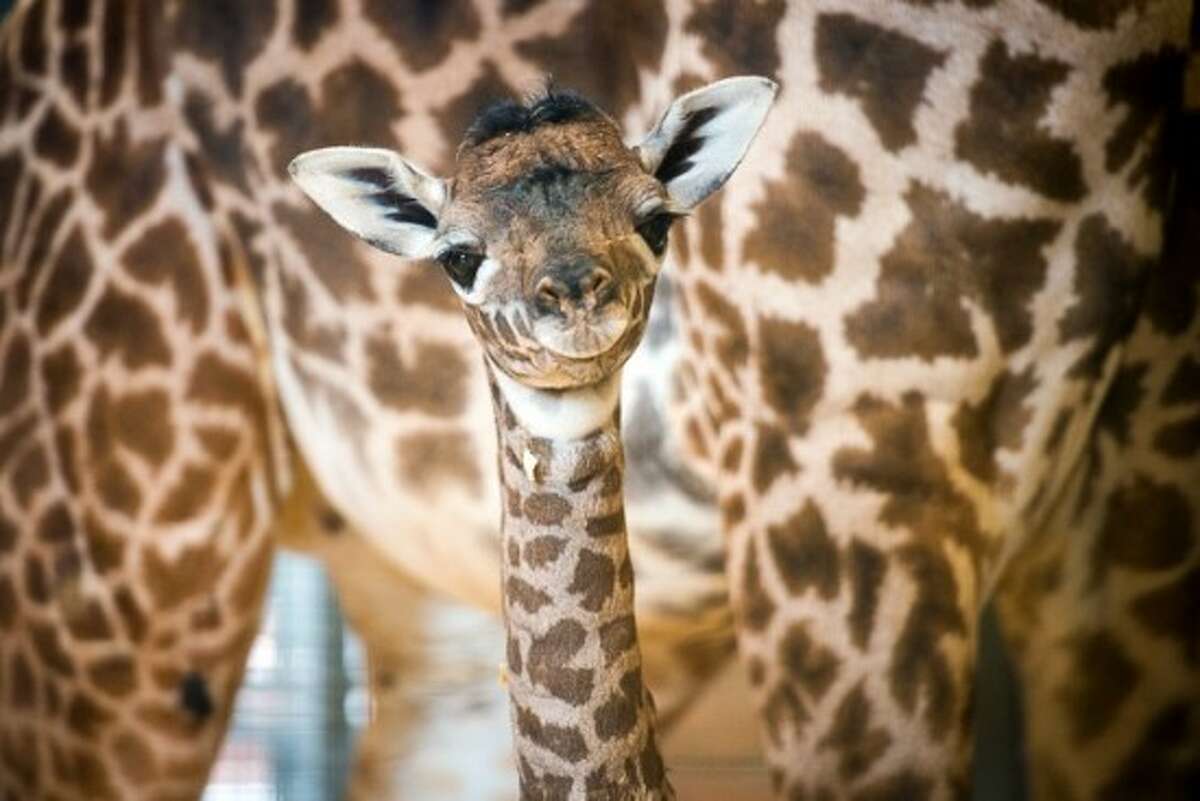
549,106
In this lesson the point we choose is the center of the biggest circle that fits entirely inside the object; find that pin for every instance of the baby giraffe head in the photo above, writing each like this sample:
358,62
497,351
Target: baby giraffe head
551,229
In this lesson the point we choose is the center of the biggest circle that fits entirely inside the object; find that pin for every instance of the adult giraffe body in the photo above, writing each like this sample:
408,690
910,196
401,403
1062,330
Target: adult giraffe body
933,348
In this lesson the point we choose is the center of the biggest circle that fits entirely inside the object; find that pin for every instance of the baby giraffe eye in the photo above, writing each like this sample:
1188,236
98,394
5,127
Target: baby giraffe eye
654,231
461,265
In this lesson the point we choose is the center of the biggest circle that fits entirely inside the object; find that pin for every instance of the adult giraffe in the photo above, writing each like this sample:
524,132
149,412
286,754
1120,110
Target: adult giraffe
946,300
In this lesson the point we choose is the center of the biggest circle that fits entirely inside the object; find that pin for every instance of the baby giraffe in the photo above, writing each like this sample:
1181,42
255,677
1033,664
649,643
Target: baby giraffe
552,232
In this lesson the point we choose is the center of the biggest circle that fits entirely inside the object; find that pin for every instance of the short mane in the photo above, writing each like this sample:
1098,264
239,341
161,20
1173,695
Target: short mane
550,107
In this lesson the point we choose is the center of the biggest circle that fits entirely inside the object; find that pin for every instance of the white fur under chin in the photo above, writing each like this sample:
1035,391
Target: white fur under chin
561,414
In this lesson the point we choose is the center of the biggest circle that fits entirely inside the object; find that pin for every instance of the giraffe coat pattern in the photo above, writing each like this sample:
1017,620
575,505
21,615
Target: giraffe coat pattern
936,343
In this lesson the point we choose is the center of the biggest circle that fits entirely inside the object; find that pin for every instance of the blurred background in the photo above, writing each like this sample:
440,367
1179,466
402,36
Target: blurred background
303,698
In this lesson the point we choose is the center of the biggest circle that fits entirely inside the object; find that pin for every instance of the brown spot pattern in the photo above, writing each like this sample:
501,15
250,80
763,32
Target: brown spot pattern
432,379
772,458
1102,679
74,71
188,497
756,607
1169,612
193,571
18,361
563,742
804,554
549,656
427,459
230,34
1003,136
997,422
1109,278
357,104
124,177
792,370
543,550
731,337
312,18
947,255
332,257
55,140
114,50
796,220
1147,527
113,675
617,637
809,665
164,254
528,597
919,669
904,467
1181,439
305,330
617,715
1146,88
546,509
1122,401
69,278
1094,13
859,745
123,325
594,579
49,220
905,785
739,38
425,31
866,565
883,69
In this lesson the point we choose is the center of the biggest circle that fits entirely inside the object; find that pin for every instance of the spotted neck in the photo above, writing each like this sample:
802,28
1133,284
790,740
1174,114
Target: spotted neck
582,719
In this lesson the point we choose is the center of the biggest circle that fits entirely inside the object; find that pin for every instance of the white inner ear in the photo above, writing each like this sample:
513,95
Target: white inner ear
375,194
704,135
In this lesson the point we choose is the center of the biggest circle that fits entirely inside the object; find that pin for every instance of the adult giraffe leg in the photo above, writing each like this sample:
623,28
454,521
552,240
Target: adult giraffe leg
879,391
1100,609
858,638
135,486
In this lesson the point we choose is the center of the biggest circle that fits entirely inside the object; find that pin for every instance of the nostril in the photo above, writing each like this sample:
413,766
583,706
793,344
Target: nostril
550,292
598,281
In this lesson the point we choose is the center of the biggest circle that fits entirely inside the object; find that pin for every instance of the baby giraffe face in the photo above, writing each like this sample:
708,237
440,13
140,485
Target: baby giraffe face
552,229
552,239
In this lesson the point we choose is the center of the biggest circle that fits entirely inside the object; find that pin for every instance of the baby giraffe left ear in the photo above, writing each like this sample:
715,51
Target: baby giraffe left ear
375,194
703,136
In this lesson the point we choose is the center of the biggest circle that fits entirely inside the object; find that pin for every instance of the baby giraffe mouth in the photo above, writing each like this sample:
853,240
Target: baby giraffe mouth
585,336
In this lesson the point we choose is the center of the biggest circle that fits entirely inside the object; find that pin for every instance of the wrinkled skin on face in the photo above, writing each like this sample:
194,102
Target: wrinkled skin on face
561,295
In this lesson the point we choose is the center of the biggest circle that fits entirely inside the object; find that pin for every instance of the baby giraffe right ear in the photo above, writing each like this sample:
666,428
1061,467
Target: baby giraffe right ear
375,194
703,136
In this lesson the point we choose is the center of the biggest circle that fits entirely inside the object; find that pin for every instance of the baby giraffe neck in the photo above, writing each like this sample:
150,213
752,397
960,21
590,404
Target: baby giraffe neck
582,719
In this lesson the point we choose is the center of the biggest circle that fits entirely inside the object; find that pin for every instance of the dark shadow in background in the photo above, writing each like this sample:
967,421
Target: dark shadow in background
999,762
